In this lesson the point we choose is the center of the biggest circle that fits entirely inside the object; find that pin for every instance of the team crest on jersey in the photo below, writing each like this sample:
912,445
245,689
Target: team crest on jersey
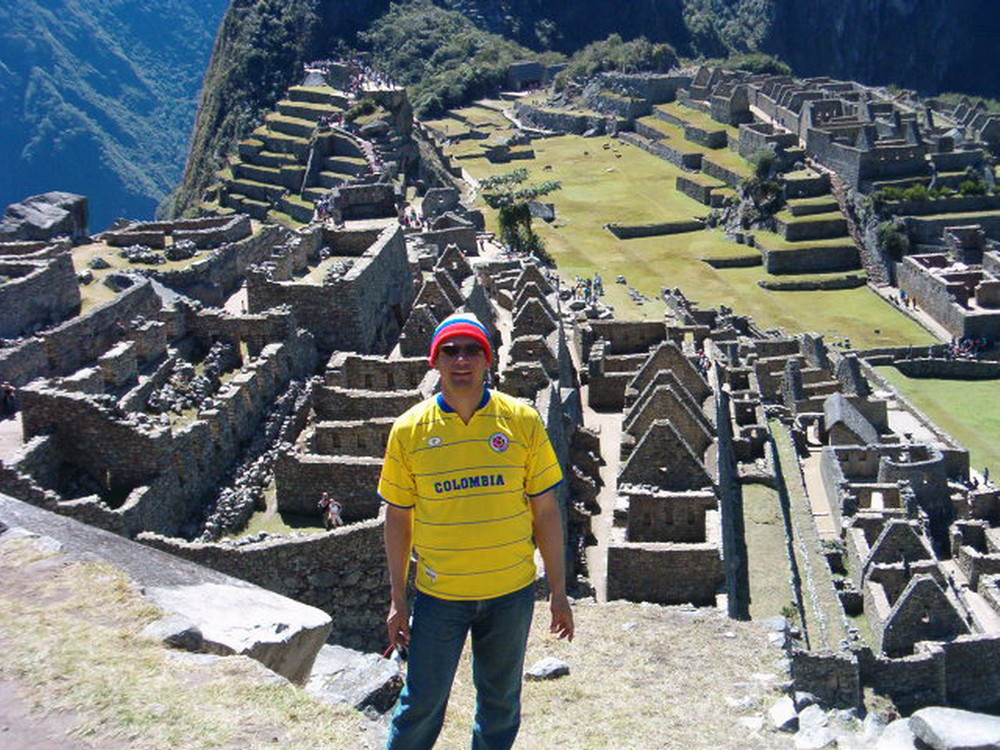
434,442
499,442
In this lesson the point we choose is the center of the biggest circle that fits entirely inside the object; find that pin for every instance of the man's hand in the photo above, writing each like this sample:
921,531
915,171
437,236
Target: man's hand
398,623
562,617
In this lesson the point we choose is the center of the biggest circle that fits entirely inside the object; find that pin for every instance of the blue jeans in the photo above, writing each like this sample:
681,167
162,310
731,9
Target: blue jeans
499,635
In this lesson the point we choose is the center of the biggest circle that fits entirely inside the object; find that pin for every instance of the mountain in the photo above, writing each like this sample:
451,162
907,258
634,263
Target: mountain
98,97
928,45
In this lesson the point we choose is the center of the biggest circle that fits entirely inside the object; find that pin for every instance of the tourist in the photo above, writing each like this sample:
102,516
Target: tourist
468,482
8,399
332,512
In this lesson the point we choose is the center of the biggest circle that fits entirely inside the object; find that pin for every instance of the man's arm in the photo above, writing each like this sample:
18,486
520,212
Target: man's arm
547,528
398,535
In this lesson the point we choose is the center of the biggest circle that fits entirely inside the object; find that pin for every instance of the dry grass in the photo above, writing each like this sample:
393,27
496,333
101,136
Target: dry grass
642,676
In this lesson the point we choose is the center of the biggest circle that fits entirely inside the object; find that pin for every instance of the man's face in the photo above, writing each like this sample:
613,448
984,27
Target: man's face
461,362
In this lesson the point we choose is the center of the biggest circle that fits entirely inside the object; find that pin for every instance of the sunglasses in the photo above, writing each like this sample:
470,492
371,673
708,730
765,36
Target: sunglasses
454,350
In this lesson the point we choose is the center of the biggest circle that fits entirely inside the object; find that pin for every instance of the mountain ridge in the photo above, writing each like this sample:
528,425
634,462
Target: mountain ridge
98,98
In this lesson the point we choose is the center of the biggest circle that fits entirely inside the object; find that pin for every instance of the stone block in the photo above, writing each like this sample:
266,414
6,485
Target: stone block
954,729
282,634
342,675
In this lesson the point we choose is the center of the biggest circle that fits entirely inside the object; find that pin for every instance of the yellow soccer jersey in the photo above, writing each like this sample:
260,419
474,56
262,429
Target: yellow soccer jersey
469,486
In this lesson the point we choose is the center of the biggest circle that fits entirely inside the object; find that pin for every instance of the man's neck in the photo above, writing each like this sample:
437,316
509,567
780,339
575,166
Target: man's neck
464,402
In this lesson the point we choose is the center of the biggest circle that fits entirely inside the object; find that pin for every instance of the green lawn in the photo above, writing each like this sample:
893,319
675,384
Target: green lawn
697,118
604,180
965,409
769,572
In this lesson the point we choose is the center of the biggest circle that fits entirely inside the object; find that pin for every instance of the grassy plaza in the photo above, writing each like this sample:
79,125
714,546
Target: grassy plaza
605,181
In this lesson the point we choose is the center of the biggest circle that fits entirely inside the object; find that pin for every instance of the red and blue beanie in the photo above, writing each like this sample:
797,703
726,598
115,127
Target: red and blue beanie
461,324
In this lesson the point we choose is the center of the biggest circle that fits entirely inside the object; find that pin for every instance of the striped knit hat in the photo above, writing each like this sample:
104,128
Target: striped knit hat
461,324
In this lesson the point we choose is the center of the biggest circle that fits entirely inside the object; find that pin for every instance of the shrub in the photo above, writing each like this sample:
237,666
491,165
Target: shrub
440,55
764,161
615,54
892,240
972,187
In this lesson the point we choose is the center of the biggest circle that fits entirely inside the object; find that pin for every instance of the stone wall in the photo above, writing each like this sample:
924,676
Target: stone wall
928,230
696,188
834,678
361,311
565,122
373,201
721,172
80,341
623,337
807,187
972,672
911,682
949,369
155,476
796,231
463,237
212,278
632,231
951,205
760,136
205,232
668,516
37,294
340,403
341,572
920,276
655,88
300,479
664,573
812,259
351,437
685,159
353,371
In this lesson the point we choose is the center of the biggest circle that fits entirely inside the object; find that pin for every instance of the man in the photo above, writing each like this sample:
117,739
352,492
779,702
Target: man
468,485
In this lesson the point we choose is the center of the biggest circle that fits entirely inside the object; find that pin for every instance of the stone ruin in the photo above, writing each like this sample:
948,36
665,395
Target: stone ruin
190,402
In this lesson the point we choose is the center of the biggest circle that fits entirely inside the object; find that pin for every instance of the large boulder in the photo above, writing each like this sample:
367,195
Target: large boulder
44,217
280,633
954,729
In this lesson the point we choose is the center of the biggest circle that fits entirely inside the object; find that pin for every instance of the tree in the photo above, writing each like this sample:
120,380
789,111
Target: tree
509,195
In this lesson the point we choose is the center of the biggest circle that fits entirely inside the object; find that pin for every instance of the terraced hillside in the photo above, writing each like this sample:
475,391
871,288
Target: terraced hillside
293,160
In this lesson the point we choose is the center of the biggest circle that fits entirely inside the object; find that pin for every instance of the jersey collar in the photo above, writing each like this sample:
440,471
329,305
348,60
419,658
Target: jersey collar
445,407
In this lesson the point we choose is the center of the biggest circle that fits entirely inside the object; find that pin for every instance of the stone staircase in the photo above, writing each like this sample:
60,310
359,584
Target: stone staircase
873,263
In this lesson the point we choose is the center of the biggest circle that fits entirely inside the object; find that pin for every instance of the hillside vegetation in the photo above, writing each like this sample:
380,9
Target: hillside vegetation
440,55
99,97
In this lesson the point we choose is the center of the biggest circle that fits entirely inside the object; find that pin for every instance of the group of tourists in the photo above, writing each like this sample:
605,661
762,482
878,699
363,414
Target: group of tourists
967,347
588,289
410,219
904,300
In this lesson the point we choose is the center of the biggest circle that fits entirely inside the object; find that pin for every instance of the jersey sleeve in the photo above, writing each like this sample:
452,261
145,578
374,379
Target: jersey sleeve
395,485
542,470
